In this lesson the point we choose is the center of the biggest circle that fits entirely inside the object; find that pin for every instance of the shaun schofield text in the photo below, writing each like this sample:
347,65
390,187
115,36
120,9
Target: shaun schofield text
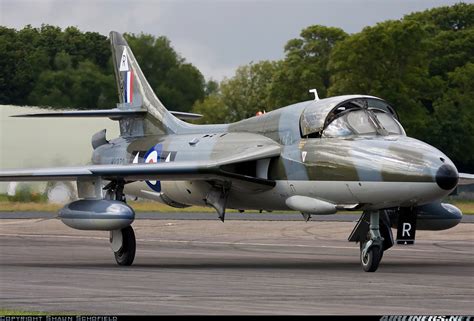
58,318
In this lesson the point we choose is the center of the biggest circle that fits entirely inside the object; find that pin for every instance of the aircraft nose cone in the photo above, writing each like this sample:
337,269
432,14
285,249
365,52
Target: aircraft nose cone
447,177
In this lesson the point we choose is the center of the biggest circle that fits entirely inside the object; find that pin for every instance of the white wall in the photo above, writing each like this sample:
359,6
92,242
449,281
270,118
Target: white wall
46,142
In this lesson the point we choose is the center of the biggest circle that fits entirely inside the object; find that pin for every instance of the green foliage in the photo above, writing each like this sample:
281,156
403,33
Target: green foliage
242,96
249,91
78,87
450,50
453,18
453,127
24,193
388,60
68,68
212,87
216,111
305,65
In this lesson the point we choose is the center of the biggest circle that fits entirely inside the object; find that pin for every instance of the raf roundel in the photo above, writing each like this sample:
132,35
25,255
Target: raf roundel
154,156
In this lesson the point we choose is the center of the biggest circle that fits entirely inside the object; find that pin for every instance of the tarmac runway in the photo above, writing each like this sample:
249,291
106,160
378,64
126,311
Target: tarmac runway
236,267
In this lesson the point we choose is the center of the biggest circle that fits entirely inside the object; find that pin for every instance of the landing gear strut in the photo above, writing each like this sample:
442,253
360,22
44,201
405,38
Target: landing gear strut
114,191
374,235
122,241
372,249
124,245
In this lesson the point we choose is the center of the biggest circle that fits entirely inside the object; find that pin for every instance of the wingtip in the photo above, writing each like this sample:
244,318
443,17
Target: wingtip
466,179
24,115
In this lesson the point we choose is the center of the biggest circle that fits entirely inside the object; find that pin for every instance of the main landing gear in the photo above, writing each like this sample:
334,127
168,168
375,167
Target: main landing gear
374,235
123,240
123,244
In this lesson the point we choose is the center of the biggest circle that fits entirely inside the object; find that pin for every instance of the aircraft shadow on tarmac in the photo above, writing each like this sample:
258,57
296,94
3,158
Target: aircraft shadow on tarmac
316,265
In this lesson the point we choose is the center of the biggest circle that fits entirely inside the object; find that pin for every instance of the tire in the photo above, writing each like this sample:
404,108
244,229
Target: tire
126,254
361,246
371,261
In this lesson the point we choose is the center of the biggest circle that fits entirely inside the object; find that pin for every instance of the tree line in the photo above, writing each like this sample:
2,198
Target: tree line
423,65
57,68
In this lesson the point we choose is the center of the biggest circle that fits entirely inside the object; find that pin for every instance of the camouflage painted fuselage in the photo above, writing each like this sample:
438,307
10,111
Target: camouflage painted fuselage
370,171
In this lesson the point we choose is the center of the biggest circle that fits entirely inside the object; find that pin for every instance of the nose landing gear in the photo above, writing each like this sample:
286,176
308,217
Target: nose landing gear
374,236
372,249
370,258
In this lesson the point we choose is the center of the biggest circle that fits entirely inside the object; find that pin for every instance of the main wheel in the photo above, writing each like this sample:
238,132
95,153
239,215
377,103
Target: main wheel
126,254
370,261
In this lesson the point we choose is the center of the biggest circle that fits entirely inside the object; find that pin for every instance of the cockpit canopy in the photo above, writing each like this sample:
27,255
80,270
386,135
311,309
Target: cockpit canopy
361,115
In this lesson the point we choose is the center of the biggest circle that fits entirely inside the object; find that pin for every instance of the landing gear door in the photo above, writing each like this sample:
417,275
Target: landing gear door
406,227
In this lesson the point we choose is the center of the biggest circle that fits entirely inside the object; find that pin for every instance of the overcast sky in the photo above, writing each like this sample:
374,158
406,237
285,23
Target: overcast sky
216,36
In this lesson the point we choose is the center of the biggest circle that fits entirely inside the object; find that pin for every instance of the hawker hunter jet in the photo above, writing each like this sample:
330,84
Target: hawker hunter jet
318,157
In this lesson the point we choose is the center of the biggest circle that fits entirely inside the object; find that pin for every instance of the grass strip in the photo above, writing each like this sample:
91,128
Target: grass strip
467,207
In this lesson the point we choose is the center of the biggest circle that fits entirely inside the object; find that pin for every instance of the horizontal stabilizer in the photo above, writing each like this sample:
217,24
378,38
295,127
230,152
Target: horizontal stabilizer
111,113
185,116
115,114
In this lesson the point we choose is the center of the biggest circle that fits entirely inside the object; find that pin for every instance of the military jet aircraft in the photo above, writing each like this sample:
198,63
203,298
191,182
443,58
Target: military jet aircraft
316,157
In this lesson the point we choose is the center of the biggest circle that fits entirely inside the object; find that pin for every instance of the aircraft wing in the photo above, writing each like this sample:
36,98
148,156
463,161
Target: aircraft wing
179,170
466,179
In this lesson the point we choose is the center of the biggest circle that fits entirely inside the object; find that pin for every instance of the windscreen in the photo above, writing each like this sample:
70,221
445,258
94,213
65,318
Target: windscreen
363,122
392,126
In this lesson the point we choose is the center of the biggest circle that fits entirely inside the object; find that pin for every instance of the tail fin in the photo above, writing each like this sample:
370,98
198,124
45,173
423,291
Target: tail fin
136,94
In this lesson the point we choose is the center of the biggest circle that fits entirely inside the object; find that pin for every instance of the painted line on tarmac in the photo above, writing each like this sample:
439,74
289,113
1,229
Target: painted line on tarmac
174,241
205,242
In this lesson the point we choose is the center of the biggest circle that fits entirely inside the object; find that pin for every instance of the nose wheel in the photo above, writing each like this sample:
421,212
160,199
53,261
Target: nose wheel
370,258
123,244
371,250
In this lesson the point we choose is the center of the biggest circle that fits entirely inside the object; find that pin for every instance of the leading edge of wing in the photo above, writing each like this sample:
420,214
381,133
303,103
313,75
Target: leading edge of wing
466,179
129,172
180,170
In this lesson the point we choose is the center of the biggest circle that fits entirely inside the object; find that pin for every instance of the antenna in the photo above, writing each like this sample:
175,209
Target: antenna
315,92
